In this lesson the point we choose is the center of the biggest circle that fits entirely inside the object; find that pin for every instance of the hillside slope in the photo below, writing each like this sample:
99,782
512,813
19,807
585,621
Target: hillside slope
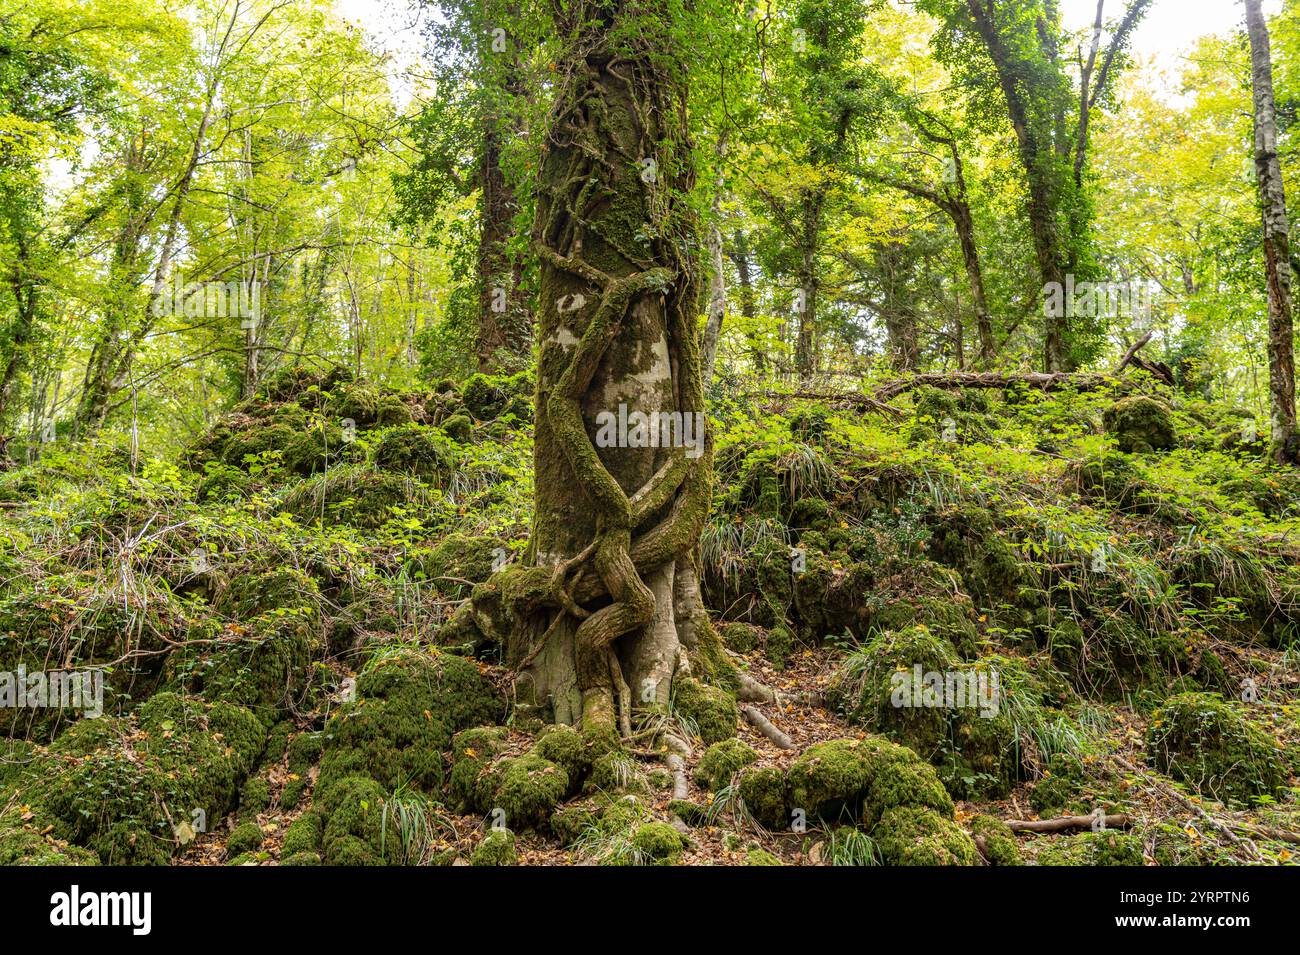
982,605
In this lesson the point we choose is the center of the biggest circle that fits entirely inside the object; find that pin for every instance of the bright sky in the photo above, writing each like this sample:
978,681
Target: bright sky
1170,26
1168,30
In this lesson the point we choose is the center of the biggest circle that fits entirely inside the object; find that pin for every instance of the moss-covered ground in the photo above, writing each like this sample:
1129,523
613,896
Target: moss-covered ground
989,606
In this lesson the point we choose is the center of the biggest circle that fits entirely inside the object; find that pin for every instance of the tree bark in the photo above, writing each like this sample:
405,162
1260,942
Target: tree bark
1277,244
504,319
606,609
748,302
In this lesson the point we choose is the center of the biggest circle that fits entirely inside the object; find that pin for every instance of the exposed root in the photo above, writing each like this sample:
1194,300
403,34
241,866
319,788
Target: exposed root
678,752
766,727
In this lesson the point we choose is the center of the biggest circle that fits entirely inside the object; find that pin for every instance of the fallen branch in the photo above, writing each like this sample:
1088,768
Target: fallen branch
1268,832
1045,381
1132,351
1155,368
1222,827
766,727
1070,823
834,397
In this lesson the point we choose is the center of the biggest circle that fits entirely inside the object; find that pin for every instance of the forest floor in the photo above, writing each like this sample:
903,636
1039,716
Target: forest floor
288,679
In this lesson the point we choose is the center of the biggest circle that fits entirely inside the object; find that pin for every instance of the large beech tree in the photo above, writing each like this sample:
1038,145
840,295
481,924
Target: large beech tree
605,611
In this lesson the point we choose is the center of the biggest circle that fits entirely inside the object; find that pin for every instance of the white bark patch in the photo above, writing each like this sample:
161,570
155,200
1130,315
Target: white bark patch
644,390
563,337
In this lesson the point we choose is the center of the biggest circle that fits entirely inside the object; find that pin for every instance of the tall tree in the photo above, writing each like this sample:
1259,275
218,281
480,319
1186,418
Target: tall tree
610,601
1012,49
470,136
1277,243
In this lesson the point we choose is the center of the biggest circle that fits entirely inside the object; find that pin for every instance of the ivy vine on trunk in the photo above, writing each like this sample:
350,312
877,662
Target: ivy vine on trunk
606,610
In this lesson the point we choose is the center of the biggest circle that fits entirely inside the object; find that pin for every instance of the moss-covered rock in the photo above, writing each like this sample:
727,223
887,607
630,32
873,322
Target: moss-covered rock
103,783
829,780
995,840
459,428
526,790
1060,787
1140,424
915,835
868,687
1207,743
950,417
419,452
761,857
658,843
568,749
1092,849
356,495
458,561
852,780
763,794
303,834
616,771
497,848
246,837
487,397
710,709
409,704
254,798
354,833
472,753
21,845
264,664
739,637
721,762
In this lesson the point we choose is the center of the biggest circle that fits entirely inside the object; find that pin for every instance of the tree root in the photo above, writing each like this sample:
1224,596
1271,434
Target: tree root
766,727
752,691
678,752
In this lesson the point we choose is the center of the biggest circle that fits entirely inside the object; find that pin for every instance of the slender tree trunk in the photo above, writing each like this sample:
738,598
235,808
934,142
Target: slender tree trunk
504,320
1277,244
807,294
1042,224
606,610
896,309
748,303
113,353
22,329
717,310
965,226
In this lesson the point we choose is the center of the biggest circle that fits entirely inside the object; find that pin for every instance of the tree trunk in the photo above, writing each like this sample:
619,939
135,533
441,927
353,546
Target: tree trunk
965,226
22,328
896,309
1277,242
748,302
504,320
717,310
607,608
805,349
1056,332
